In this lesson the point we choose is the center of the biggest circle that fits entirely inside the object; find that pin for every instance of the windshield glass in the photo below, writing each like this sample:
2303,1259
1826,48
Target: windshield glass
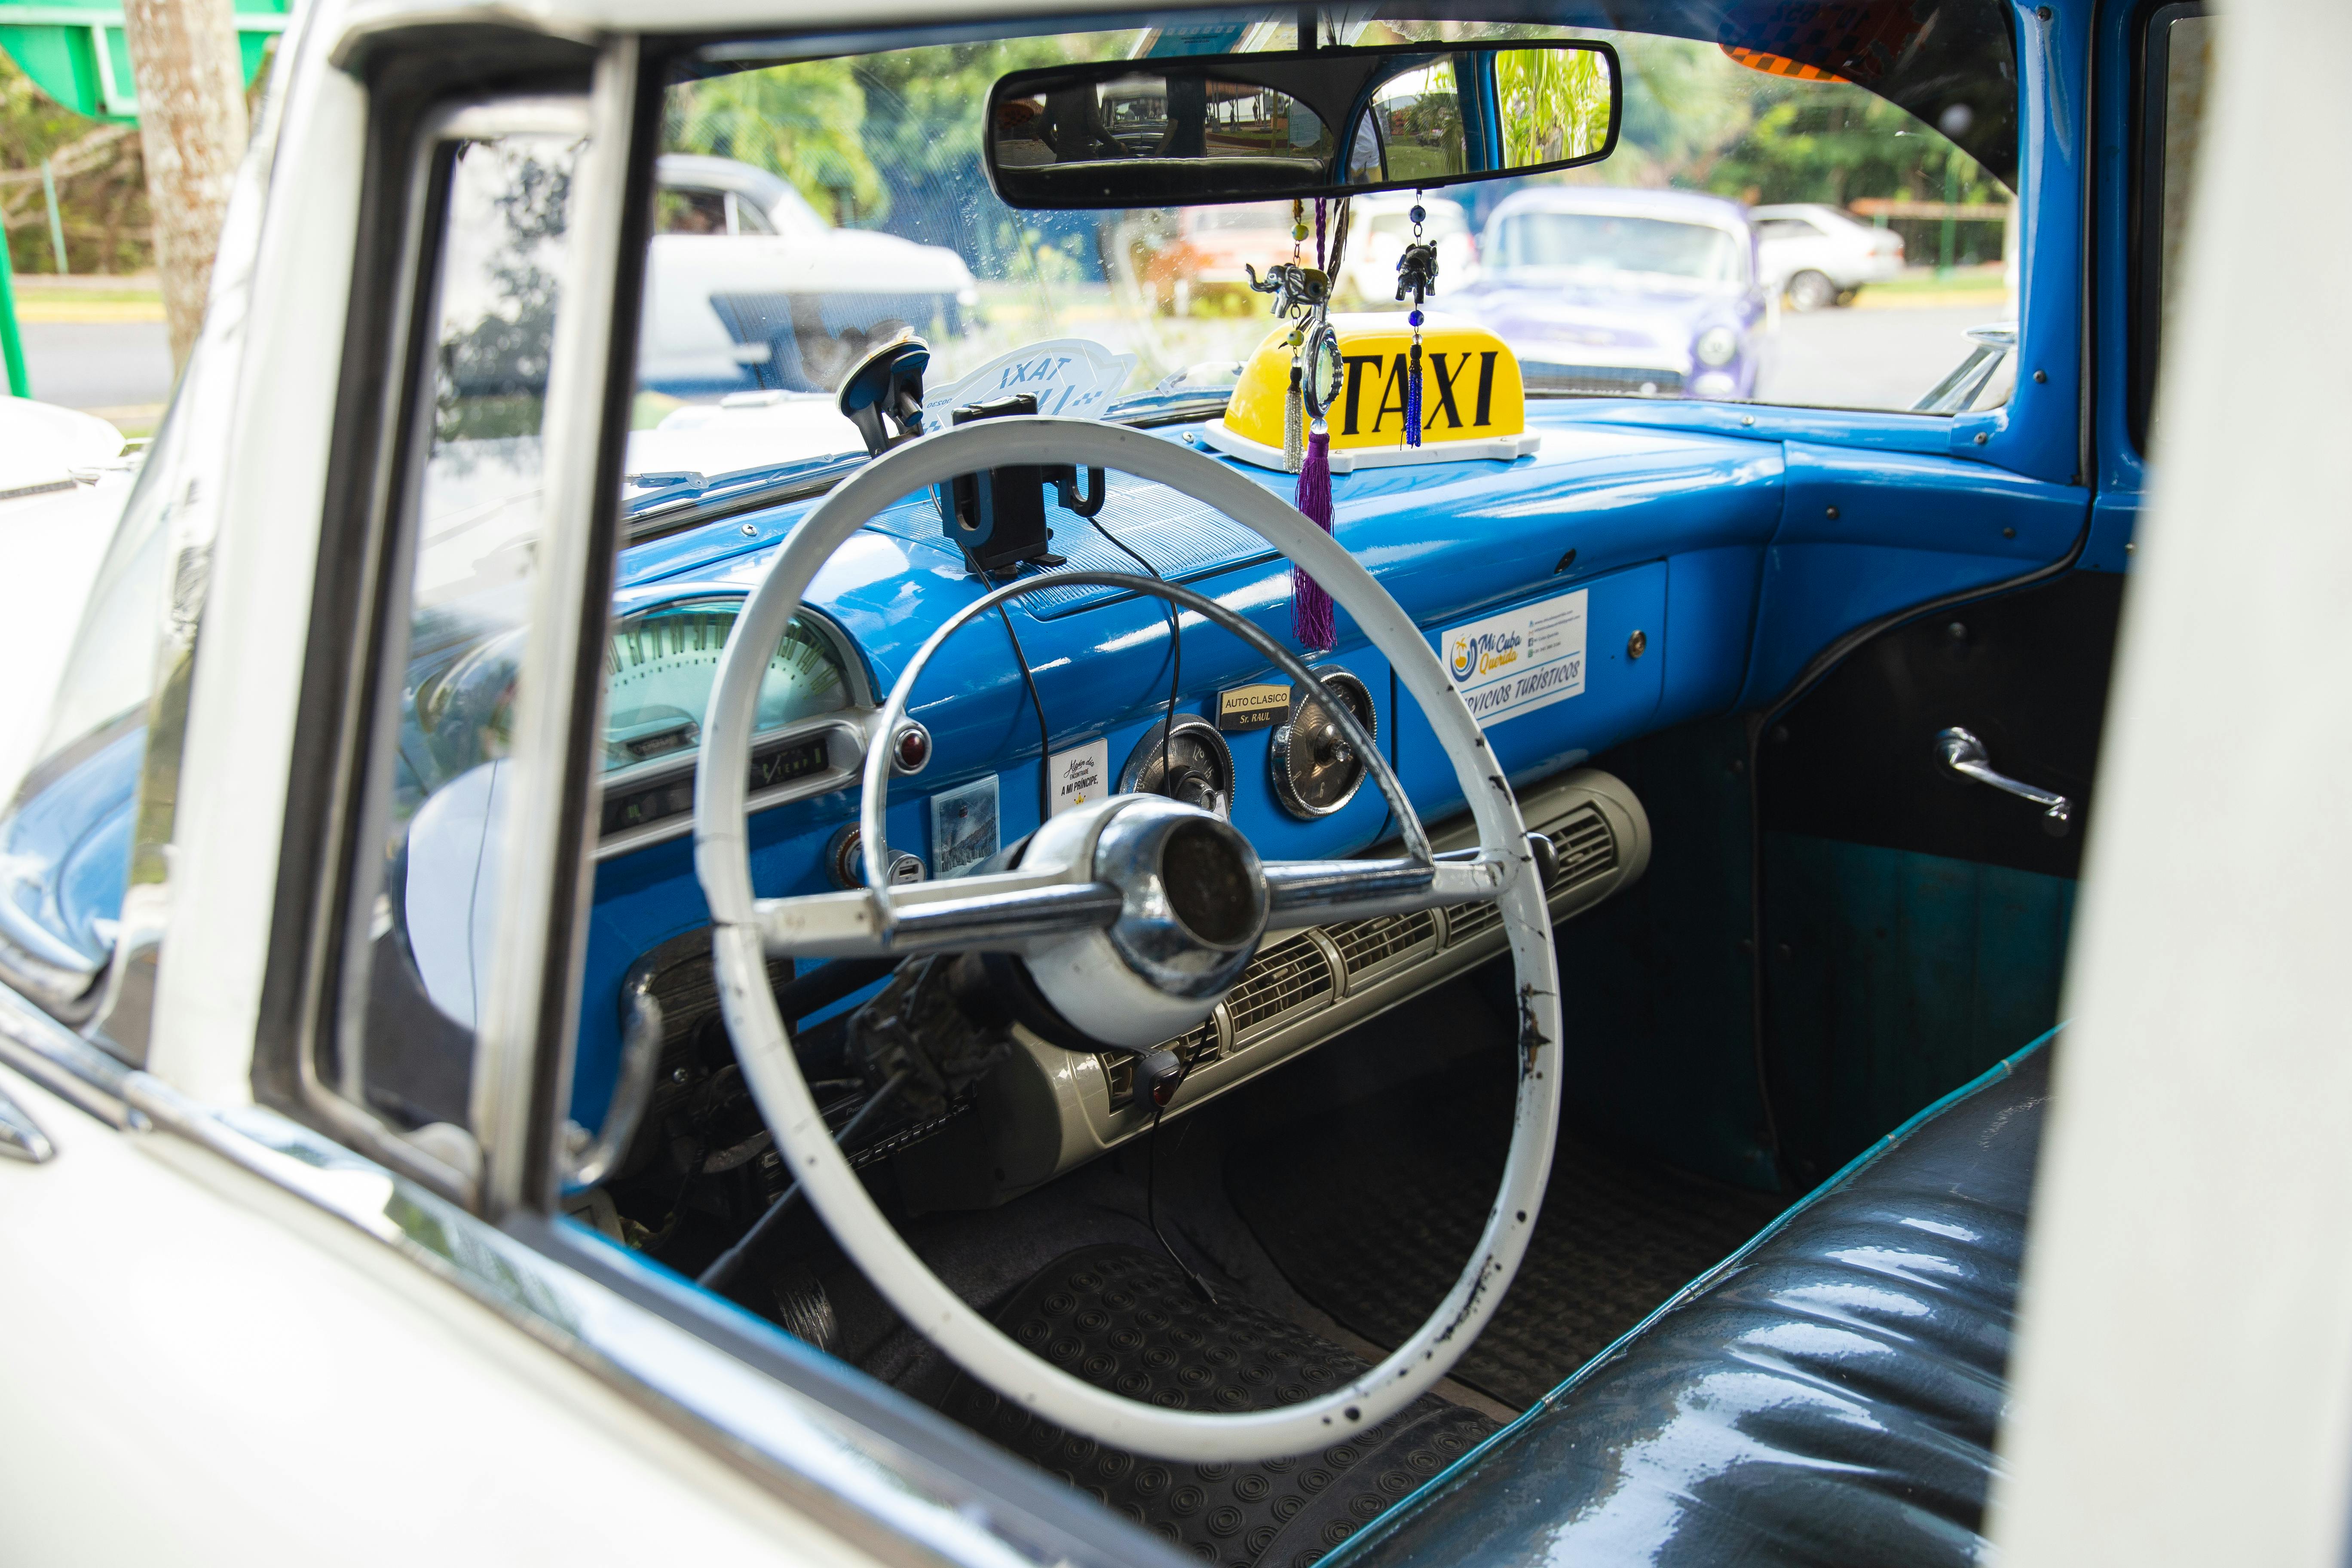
746,336
1603,242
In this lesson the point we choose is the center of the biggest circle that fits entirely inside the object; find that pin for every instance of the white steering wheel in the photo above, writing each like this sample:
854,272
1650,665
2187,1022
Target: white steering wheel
1130,914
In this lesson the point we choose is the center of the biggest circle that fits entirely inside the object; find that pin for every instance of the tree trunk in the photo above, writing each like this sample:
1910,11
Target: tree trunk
191,131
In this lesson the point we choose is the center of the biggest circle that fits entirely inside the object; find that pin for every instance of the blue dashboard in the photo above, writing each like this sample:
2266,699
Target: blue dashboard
1711,551
1709,563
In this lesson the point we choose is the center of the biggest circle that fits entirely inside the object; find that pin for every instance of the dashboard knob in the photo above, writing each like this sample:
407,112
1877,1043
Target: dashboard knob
911,751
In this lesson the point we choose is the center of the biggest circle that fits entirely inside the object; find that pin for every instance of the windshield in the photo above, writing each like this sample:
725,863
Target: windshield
744,346
1607,243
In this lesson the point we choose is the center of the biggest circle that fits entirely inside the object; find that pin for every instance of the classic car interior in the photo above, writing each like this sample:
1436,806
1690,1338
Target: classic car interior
1801,708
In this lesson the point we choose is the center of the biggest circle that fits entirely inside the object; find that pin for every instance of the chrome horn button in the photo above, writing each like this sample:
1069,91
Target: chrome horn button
1193,895
1192,905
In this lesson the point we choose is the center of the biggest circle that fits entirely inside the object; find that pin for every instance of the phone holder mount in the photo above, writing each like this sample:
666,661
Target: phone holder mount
887,385
997,517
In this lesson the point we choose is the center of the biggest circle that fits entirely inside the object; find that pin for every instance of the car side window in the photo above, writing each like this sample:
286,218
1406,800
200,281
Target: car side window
690,212
437,791
745,216
2176,63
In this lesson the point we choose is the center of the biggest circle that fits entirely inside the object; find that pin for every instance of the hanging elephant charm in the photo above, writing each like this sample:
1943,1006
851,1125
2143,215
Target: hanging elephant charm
1417,271
1298,290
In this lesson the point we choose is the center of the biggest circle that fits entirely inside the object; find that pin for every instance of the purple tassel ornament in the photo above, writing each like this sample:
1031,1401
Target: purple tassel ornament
1312,620
1412,393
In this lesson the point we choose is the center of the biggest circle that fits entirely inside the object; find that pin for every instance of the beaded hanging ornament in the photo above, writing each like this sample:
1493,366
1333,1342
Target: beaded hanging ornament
1416,275
1302,295
1313,620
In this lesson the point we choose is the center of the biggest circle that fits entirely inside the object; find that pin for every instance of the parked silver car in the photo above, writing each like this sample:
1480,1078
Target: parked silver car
754,290
1819,256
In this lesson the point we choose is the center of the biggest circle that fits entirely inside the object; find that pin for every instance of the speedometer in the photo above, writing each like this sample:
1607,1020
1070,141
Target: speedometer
660,664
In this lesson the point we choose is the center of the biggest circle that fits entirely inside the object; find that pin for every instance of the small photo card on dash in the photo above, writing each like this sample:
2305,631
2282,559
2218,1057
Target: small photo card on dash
1253,706
965,826
1079,776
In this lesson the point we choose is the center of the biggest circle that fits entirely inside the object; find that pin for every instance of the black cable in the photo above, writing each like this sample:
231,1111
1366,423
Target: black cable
1151,1186
722,1271
1175,652
1045,738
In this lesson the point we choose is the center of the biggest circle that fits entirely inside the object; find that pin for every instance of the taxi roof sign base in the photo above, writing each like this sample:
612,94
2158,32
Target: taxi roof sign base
1347,459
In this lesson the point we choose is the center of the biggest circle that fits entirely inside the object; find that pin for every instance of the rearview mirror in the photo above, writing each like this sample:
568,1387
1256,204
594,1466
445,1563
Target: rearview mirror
1201,129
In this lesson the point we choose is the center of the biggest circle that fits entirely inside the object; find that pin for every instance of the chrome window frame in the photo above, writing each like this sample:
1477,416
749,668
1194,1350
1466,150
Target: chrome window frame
459,1166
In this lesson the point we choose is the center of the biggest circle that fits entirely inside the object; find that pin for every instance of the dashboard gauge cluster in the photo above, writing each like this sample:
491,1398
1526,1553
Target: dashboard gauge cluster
1316,769
659,666
1194,766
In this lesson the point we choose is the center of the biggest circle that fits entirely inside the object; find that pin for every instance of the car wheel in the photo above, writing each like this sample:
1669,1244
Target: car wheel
1809,292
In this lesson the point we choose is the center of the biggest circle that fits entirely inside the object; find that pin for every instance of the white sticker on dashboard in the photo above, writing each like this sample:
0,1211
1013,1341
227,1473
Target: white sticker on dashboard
1520,660
1078,775
963,826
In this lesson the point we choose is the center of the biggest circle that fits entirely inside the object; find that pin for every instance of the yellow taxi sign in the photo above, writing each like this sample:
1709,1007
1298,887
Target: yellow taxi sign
1472,402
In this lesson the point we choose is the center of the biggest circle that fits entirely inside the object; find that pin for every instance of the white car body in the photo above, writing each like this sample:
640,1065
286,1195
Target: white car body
794,270
1803,238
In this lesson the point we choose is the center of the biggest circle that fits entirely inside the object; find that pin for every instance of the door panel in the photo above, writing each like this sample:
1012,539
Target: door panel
1913,922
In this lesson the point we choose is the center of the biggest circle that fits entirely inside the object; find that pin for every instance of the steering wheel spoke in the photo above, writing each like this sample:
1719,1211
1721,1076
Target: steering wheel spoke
1314,892
1005,911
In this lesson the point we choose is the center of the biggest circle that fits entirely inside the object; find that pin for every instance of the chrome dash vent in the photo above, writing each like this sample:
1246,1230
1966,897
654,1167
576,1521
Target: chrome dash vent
1374,944
1584,847
1464,921
1198,1045
1119,1074
1287,978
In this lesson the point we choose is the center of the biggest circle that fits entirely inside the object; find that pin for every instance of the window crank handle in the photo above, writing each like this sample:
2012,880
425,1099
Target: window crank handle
1965,755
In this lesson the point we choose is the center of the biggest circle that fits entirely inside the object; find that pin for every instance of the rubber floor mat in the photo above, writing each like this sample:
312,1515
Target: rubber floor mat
1372,1217
1125,1319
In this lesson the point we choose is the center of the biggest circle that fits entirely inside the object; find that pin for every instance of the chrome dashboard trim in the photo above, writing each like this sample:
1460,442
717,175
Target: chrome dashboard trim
754,1398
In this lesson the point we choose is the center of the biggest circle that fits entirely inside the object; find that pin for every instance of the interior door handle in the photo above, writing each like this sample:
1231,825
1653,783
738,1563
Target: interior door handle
1965,755
21,1137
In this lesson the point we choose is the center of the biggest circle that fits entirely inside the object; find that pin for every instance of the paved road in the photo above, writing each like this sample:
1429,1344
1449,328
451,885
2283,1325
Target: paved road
1852,359
1868,358
99,365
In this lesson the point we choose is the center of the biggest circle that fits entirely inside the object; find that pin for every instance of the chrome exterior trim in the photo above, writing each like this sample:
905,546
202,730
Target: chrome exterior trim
64,1063
21,1137
756,1398
521,1068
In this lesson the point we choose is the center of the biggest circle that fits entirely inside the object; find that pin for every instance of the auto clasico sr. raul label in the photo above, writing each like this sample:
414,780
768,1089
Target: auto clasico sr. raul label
1520,660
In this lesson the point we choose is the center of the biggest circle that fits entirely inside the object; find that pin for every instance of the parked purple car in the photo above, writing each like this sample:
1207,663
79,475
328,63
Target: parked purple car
1623,292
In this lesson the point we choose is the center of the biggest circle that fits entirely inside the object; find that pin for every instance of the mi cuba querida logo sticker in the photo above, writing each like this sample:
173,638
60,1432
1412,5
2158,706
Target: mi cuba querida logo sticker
1520,660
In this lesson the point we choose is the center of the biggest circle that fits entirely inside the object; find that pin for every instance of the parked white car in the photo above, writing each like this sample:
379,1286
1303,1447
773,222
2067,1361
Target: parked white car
62,479
755,291
1819,256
